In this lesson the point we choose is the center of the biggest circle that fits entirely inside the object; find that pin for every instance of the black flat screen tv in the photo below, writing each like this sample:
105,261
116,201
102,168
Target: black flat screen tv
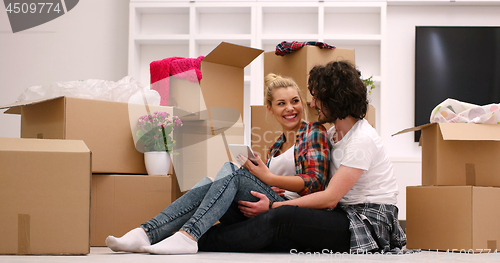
462,63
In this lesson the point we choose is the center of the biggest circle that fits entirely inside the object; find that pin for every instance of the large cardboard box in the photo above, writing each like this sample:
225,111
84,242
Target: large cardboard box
298,64
44,196
460,154
120,203
106,127
266,129
453,217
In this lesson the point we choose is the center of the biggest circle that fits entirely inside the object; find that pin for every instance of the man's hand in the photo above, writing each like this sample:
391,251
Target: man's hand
251,209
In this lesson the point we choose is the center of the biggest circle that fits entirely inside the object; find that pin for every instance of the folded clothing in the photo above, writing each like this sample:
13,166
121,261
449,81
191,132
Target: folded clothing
455,111
179,67
285,47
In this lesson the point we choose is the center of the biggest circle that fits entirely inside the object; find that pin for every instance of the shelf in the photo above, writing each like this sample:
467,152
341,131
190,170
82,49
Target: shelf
223,20
201,25
162,39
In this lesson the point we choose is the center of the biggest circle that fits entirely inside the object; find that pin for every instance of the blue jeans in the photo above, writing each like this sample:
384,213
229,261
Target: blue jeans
202,206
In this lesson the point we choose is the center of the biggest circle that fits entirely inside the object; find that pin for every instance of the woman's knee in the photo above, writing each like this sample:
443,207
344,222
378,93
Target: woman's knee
204,181
227,169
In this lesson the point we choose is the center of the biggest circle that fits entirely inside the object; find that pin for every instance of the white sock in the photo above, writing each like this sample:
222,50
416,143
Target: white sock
178,243
132,241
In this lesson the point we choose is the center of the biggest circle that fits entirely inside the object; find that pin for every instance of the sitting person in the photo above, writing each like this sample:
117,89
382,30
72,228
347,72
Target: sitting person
357,211
297,162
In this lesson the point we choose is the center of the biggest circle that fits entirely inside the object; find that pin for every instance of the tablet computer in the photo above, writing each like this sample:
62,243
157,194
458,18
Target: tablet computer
243,149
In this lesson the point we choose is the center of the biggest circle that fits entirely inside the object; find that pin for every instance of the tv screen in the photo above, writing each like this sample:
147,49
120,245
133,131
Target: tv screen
461,63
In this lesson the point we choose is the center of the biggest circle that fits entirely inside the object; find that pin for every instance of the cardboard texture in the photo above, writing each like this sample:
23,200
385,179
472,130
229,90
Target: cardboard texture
266,129
123,202
298,64
459,154
44,196
453,217
221,86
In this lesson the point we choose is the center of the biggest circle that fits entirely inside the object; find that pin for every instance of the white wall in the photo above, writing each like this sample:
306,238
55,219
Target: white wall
398,94
88,42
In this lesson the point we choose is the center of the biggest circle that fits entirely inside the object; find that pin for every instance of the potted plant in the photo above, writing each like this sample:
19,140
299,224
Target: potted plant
154,132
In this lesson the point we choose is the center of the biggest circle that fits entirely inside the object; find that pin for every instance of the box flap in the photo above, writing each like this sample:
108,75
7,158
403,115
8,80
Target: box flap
470,131
45,145
463,131
232,55
14,108
418,128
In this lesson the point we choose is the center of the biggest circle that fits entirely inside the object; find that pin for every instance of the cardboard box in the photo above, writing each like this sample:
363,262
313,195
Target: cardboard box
218,97
453,217
44,196
107,128
266,129
120,203
459,154
222,83
298,64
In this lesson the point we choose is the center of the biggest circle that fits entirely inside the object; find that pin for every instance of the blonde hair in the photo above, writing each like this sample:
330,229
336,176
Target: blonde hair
273,81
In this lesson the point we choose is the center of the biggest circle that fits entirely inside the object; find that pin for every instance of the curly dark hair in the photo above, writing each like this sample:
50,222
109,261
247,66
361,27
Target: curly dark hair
339,89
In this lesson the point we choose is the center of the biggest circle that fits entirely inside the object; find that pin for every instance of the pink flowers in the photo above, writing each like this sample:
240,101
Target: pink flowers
155,131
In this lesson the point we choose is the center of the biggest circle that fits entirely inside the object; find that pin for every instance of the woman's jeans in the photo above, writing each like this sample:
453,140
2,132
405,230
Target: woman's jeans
202,206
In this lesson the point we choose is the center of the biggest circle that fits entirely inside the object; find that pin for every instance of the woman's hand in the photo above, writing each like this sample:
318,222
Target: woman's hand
260,170
251,209
279,191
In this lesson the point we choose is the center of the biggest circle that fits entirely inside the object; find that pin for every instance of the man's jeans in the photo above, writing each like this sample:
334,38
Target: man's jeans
202,206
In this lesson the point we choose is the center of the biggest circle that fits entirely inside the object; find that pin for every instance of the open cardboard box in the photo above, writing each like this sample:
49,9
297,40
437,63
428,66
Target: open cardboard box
297,64
459,154
221,86
44,196
123,202
453,217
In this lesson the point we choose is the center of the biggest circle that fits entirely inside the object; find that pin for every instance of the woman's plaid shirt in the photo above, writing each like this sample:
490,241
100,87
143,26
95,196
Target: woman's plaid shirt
311,154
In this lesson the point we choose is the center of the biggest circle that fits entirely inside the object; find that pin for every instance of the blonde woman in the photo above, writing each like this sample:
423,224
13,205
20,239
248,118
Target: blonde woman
297,162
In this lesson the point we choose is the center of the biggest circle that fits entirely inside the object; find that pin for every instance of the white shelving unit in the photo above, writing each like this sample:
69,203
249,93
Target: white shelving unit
161,29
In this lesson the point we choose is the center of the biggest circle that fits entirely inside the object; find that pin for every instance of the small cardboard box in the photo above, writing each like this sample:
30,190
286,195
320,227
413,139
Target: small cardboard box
44,196
106,127
459,154
453,217
120,203
298,64
266,129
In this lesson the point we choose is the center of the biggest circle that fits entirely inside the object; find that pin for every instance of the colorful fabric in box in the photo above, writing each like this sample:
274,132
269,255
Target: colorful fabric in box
179,67
455,111
286,47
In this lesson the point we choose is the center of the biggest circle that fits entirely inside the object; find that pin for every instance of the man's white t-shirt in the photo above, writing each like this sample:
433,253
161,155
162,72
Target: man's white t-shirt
362,148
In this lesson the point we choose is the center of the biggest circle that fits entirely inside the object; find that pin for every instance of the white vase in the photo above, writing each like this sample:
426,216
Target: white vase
157,163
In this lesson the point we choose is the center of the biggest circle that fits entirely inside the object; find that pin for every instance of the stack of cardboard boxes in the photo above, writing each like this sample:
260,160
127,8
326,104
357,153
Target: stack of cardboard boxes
80,177
457,207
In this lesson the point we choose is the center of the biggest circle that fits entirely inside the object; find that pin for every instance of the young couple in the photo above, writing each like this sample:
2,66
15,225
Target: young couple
284,204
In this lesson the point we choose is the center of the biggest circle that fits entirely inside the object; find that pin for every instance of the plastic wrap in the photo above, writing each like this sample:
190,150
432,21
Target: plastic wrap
125,90
455,111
